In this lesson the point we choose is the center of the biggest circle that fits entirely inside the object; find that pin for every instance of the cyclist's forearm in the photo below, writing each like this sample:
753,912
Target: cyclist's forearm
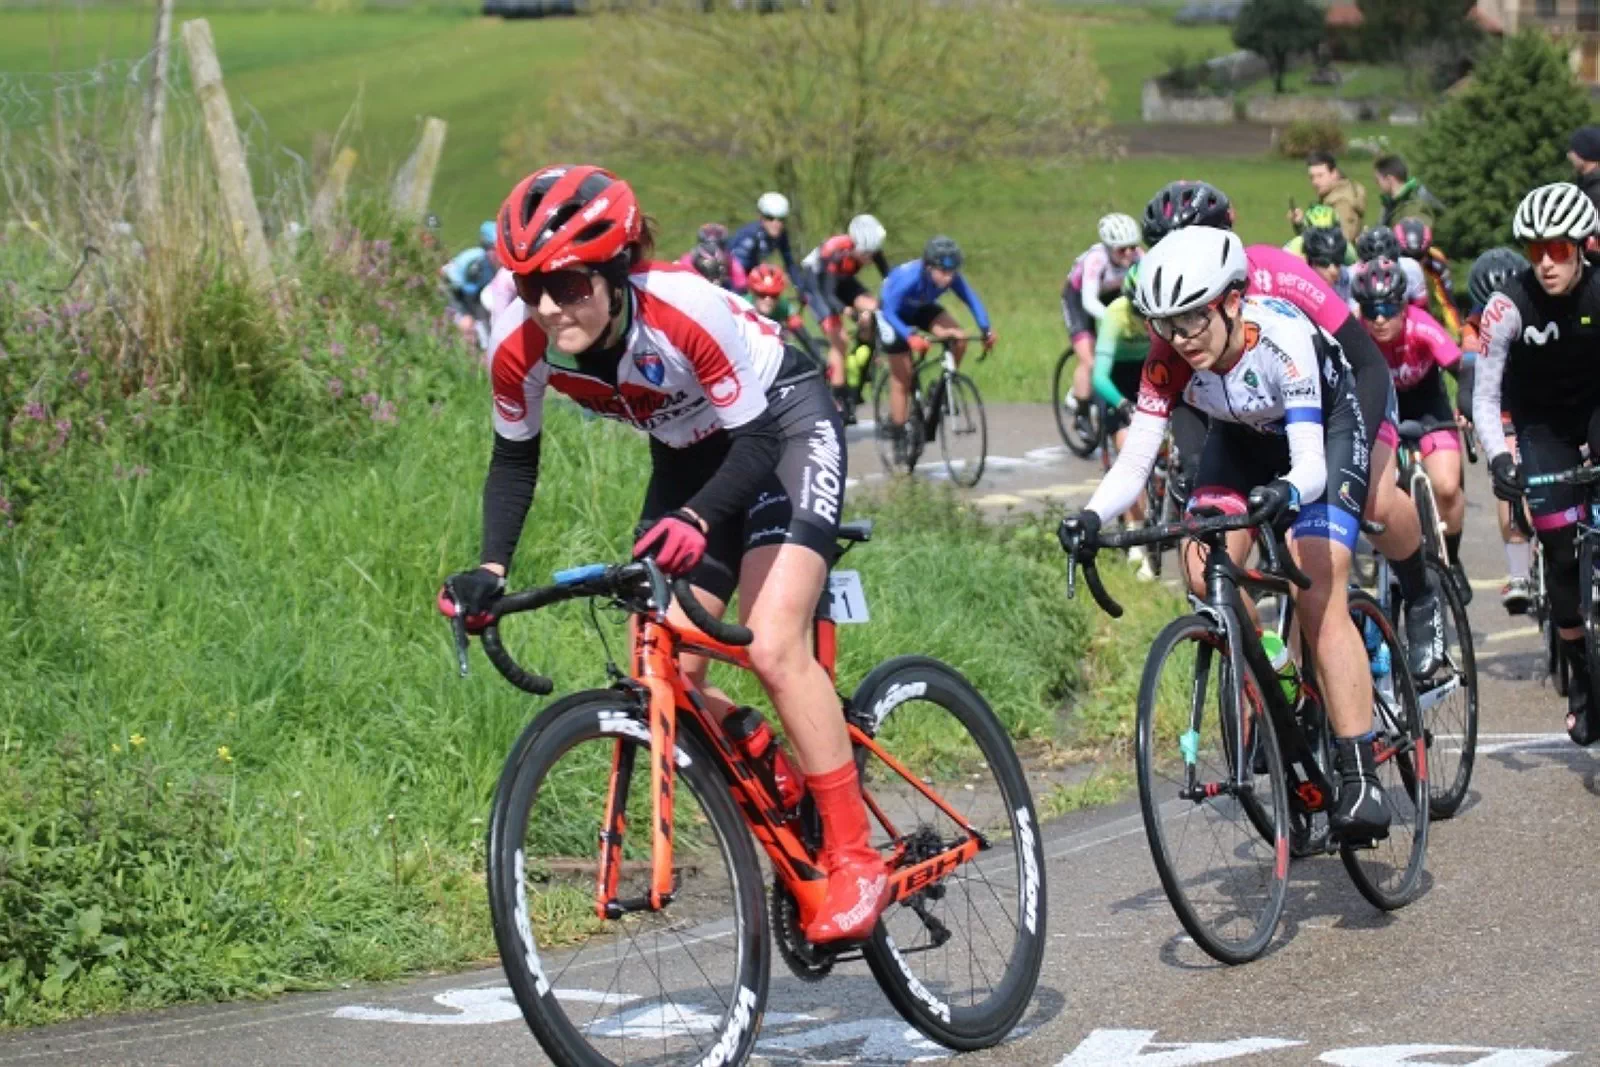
507,496
1105,355
1308,459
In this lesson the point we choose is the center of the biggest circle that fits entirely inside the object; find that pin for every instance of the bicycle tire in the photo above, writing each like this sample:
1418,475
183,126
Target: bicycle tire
1272,827
1555,662
1427,516
889,689
617,718
1448,789
1159,511
1399,724
882,424
1060,388
962,415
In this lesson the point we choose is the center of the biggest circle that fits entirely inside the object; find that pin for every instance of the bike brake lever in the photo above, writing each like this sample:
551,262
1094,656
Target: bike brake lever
458,627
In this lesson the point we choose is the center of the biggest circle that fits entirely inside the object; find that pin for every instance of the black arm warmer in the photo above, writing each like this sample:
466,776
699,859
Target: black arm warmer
753,453
881,261
1371,371
1466,373
507,494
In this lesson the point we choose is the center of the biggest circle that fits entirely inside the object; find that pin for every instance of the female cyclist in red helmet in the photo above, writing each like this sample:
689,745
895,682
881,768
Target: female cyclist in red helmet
747,463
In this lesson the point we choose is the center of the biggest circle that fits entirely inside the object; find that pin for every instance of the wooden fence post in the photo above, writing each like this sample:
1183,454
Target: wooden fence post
155,110
233,176
325,209
413,185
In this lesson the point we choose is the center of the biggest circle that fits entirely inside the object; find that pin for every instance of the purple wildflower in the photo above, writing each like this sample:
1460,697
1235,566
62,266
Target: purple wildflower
385,413
335,349
34,411
370,400
80,378
336,387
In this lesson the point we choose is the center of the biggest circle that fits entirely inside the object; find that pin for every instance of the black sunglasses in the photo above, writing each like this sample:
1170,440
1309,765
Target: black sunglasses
566,287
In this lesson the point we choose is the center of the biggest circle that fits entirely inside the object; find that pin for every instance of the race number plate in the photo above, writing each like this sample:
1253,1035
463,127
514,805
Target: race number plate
847,600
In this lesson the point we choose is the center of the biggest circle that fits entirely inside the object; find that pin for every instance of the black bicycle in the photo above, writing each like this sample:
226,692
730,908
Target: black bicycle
1449,695
1556,665
947,409
1233,777
1584,479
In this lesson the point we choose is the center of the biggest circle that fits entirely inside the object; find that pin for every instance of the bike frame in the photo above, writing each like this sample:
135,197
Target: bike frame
657,673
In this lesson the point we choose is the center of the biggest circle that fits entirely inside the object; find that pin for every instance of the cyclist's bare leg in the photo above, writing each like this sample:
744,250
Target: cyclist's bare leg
1193,553
833,330
1325,622
900,374
779,587
1444,472
778,591
1083,371
694,666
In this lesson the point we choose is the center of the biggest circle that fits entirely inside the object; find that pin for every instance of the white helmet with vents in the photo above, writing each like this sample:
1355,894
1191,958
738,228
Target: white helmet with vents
867,234
1119,231
1560,210
773,206
1188,269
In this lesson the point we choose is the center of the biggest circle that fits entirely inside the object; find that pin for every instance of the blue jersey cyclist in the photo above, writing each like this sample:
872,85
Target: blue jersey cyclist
754,242
1287,441
908,302
466,276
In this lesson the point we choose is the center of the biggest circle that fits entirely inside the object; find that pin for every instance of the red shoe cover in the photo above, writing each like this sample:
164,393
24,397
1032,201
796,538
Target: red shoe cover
858,878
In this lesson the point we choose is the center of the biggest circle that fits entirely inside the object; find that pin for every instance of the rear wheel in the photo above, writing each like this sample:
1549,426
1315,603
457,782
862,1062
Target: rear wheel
893,457
1390,873
1068,422
1449,702
960,957
1589,600
1555,661
962,430
680,985
1217,832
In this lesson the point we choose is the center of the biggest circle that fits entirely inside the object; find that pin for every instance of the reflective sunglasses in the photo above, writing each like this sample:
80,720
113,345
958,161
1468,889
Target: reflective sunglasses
1559,251
566,287
1315,261
1387,309
1188,325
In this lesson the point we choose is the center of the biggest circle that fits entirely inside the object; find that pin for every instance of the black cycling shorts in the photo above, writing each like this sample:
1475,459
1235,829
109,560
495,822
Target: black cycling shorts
1548,443
891,343
1237,459
1429,400
798,503
1079,321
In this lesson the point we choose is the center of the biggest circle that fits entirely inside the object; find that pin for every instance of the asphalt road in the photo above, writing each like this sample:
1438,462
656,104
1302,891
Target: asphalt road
1495,964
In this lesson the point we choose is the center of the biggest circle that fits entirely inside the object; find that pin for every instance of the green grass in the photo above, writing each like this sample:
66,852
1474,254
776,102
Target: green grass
1360,80
1131,44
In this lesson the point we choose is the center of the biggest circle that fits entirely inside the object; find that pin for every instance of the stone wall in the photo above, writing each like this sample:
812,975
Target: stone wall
1158,105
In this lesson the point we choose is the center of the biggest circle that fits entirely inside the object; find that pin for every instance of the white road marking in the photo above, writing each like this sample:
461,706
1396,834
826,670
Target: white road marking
1510,635
1123,1048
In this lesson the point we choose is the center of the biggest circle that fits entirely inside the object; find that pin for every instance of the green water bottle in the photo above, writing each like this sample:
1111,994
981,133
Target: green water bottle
1288,674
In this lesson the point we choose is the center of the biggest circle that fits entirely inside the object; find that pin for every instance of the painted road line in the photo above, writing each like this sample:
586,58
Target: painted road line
1486,583
1511,635
998,500
1060,489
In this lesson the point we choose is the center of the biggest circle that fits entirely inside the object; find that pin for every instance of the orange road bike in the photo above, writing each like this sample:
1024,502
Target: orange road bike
628,900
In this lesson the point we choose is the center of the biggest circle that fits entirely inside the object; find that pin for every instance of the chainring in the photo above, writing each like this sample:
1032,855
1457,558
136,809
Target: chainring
802,958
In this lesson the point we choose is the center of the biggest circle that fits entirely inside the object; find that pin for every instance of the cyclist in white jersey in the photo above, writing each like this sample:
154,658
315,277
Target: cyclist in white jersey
1287,442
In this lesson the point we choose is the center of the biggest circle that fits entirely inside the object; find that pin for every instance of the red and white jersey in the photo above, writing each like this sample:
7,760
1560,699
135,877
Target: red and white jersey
696,360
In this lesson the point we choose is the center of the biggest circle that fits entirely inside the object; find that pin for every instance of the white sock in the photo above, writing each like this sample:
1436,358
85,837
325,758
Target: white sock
1519,557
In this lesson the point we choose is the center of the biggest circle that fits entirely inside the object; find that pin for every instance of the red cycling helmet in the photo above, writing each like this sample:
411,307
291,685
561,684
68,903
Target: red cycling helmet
1415,237
564,215
767,280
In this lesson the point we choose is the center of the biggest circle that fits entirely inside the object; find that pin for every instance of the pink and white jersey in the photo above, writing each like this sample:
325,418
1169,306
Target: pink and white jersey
696,360
1094,272
1421,346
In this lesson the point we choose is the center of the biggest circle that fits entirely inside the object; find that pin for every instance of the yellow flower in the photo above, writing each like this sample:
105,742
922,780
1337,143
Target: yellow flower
116,749
135,740
224,755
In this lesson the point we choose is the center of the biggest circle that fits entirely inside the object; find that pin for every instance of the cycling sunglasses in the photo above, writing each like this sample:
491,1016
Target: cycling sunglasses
566,287
1188,325
950,263
1559,250
1317,262
1387,309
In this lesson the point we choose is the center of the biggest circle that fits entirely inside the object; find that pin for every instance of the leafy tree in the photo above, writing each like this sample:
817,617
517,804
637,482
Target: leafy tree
1277,30
1506,132
1399,30
843,110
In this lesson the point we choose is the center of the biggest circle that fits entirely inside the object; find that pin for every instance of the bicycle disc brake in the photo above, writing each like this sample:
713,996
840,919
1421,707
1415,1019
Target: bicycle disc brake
804,960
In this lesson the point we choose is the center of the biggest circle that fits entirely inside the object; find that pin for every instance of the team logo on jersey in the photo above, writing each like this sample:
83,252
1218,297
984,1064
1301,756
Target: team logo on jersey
1347,500
724,391
651,366
1252,335
1158,374
1251,380
1280,305
1262,279
1551,332
510,409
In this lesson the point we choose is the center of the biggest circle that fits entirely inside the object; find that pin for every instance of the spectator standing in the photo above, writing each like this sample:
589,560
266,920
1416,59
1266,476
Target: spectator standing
1403,196
1347,197
1584,153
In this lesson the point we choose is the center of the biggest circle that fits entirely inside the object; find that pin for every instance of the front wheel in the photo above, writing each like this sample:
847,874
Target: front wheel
1589,601
1081,431
1216,825
958,958
688,982
899,447
1389,874
962,430
1449,702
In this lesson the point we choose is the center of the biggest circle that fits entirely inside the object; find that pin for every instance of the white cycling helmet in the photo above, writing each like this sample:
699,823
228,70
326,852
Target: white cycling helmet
1188,269
1119,231
773,206
867,234
1560,210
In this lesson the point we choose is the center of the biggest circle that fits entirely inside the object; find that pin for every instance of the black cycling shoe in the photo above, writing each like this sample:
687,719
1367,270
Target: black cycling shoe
1583,718
1424,633
1361,815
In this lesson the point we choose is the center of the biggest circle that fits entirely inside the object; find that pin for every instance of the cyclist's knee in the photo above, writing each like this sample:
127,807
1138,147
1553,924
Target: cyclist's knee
777,658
